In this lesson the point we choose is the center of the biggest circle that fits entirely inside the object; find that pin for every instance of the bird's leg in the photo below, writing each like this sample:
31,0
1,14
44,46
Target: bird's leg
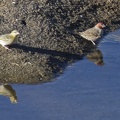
93,42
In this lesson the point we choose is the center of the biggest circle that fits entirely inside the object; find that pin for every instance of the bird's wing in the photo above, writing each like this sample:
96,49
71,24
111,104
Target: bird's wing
5,37
92,32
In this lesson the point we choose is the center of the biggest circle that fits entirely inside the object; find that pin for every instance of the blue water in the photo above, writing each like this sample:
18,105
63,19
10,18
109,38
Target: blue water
84,92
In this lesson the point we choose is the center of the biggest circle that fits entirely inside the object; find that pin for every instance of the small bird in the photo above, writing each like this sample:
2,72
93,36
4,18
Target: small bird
8,39
94,33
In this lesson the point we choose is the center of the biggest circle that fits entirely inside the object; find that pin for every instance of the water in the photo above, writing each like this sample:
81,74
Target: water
84,92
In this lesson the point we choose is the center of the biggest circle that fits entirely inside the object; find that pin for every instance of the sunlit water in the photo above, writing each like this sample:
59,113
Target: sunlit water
84,92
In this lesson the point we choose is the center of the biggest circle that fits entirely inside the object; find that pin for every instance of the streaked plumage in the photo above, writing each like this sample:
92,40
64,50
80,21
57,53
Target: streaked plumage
94,33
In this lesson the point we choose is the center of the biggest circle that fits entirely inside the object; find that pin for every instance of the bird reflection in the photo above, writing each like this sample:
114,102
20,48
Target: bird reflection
96,57
8,91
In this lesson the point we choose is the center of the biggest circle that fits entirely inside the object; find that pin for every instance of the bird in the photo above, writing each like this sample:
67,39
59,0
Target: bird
8,39
94,33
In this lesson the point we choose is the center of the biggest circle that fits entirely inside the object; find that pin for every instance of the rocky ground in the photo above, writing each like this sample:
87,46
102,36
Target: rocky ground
48,39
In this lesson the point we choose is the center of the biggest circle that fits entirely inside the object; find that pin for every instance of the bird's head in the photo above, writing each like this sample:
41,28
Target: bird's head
100,25
14,33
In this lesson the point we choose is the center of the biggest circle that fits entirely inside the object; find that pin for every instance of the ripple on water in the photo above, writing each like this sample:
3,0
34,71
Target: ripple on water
112,37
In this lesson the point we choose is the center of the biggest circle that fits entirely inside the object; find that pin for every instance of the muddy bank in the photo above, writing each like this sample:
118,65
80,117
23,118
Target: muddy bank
48,41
